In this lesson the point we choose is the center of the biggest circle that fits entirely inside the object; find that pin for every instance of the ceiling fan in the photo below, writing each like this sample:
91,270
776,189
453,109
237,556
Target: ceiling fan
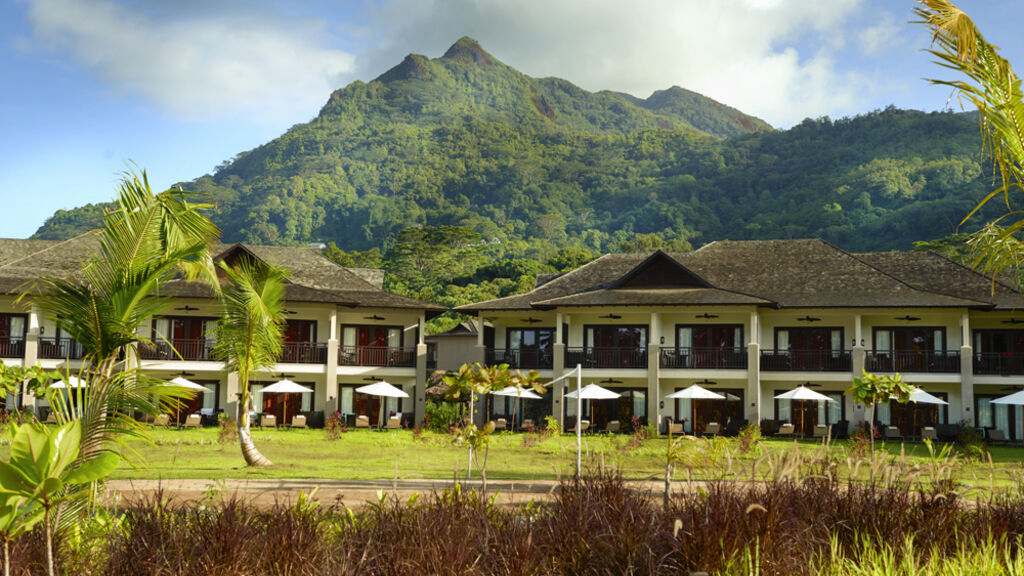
1013,321
908,318
706,382
706,315
811,385
286,311
611,316
185,374
610,381
374,317
1012,388
187,308
809,319
531,320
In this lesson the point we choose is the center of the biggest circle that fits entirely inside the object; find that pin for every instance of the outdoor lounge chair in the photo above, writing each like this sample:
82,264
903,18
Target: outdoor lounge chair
613,427
584,426
893,433
929,433
996,436
298,421
787,429
193,421
268,421
362,421
163,420
820,431
51,418
673,427
394,422
527,424
501,424
712,429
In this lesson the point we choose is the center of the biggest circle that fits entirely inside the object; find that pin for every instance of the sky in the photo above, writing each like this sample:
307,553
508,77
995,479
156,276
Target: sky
178,87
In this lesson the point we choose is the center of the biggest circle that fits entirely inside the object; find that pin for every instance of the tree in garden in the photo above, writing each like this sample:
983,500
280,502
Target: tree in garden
995,90
871,390
43,466
474,379
145,241
250,334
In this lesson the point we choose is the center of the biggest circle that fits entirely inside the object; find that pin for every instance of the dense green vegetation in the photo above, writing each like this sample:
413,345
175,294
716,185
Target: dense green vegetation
516,169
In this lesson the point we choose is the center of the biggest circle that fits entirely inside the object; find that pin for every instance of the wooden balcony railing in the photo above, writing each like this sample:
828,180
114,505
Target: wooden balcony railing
722,358
384,356
304,353
531,358
194,350
913,361
1001,363
60,349
606,357
12,348
805,361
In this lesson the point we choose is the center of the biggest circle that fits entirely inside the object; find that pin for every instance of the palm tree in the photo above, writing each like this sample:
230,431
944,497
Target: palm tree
250,334
994,89
146,241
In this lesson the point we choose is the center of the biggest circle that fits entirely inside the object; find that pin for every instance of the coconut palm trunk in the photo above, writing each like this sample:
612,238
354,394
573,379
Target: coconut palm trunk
250,335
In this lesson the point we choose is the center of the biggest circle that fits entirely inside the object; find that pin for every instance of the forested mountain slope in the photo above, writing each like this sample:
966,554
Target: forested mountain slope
538,164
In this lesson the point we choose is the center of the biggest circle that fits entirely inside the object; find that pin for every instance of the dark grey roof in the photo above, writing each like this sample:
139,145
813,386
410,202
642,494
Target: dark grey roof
312,276
460,329
935,273
16,248
783,273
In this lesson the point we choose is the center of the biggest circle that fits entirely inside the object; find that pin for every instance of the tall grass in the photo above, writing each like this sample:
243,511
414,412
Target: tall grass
815,525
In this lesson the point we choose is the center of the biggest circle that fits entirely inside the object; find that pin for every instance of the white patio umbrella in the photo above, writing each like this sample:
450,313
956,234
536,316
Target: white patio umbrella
695,392
593,392
1015,399
384,389
803,393
286,387
518,393
919,396
73,382
180,382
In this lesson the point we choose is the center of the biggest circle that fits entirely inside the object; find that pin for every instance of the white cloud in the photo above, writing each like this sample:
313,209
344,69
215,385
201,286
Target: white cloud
882,36
772,58
199,64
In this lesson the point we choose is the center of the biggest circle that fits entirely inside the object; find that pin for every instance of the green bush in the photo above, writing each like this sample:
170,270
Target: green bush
441,415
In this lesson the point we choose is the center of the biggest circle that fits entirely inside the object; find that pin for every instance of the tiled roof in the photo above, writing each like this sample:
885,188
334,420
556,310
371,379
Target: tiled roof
312,276
783,273
932,272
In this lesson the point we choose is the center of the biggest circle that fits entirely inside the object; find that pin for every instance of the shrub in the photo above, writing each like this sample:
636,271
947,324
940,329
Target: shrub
441,416
749,438
860,444
551,425
968,442
228,433
334,427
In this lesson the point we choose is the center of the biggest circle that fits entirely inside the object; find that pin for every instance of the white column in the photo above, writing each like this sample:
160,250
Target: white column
654,372
966,371
558,366
328,400
420,396
753,407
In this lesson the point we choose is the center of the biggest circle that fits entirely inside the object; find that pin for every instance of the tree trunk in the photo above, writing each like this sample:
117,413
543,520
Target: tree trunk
249,452
7,557
668,484
49,544
483,470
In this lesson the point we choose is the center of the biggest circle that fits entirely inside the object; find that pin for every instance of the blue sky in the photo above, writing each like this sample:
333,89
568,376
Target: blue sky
180,86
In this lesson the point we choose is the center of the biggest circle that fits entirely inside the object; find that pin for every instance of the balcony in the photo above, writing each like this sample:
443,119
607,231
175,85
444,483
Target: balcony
529,358
720,358
383,356
12,348
913,361
606,357
304,353
195,350
60,349
805,361
1000,363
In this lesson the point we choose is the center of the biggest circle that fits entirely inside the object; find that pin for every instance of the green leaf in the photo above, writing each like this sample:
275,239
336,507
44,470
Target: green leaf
50,488
95,469
14,480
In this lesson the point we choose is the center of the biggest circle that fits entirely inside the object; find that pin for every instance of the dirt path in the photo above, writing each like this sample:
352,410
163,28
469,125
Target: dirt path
352,493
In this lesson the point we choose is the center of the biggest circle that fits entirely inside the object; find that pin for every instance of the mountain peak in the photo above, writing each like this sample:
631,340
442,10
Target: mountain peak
467,49
413,66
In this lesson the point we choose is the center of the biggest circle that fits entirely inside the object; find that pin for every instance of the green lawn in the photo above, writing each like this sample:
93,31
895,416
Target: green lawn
363,454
